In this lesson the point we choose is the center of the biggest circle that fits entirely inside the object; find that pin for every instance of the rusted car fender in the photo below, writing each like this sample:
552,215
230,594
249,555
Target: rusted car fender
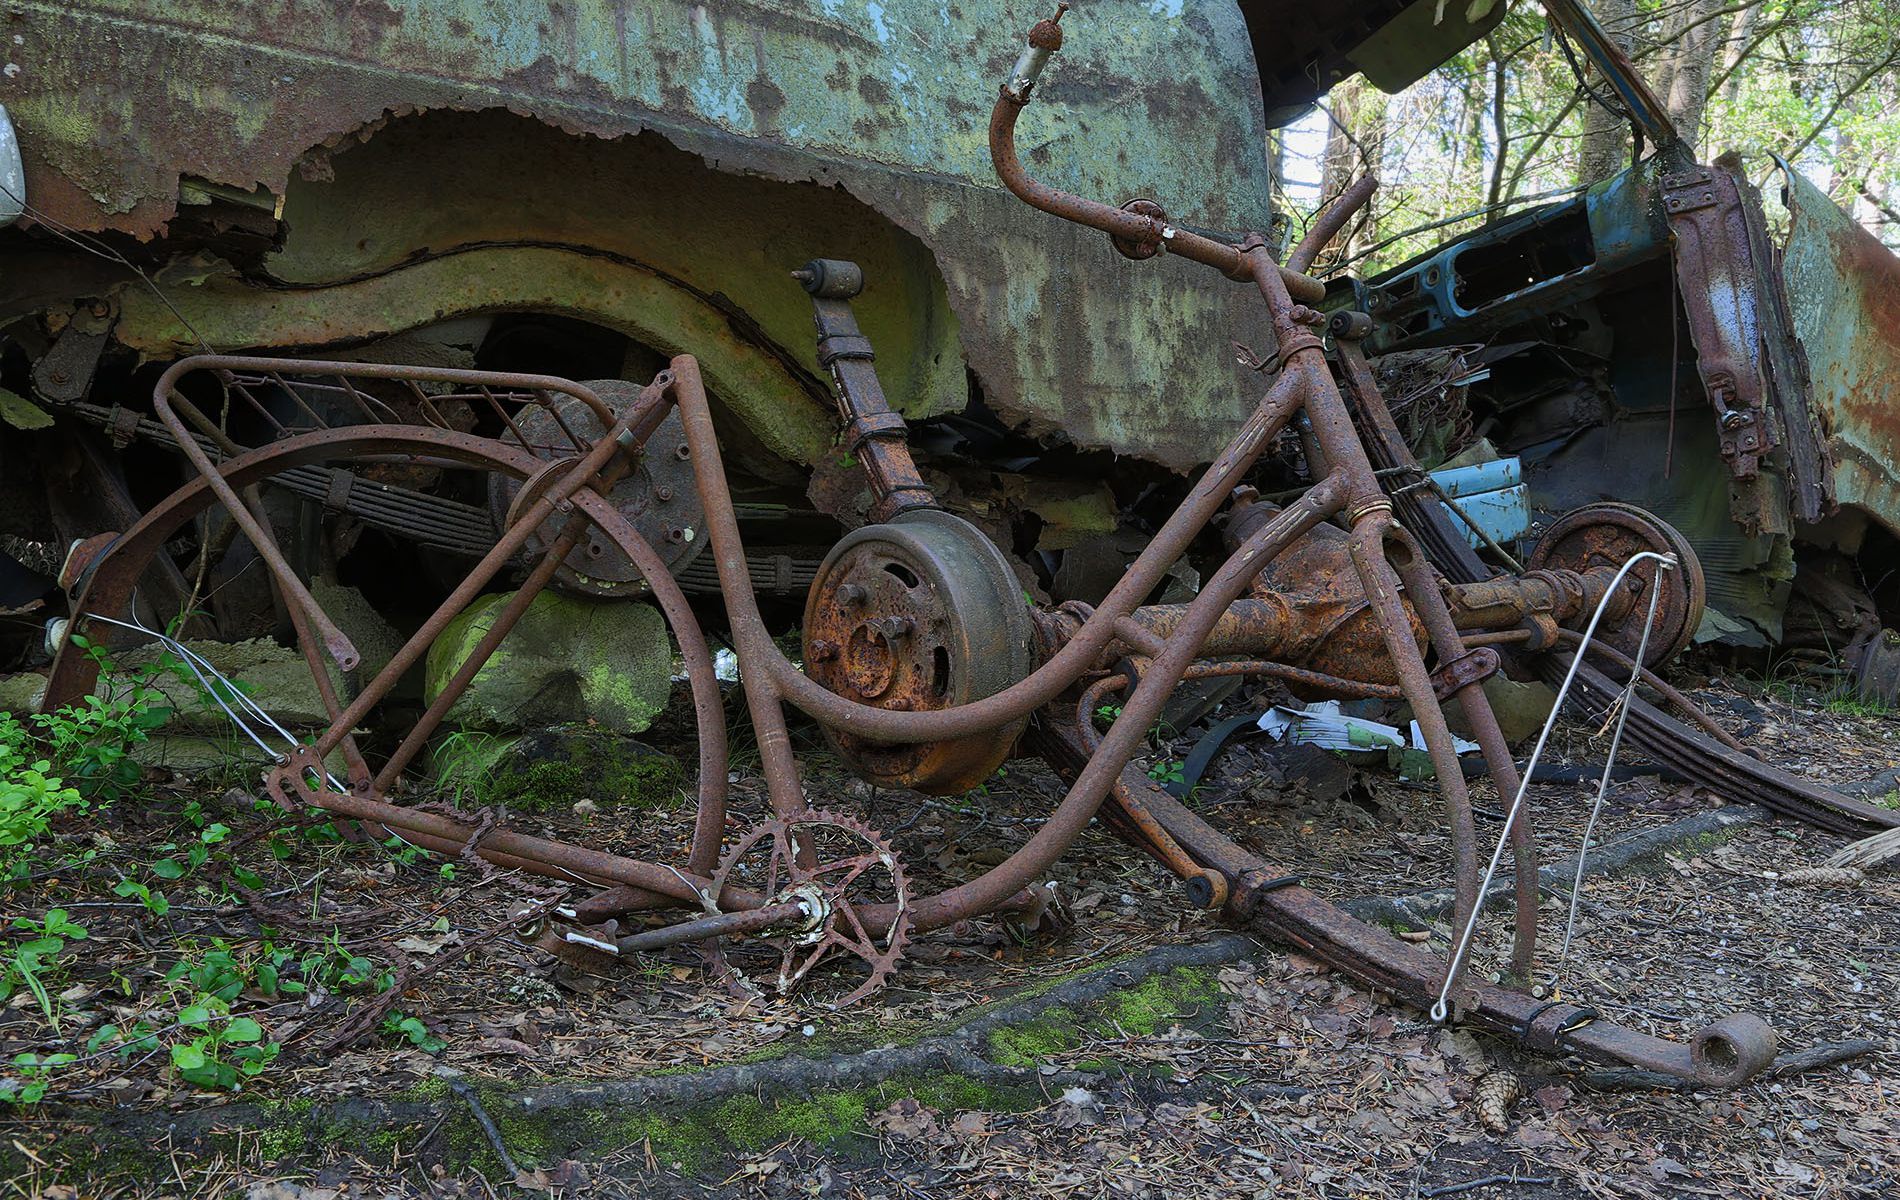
666,164
1843,288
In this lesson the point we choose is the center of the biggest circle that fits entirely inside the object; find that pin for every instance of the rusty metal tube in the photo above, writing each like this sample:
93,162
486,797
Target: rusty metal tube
1369,513
1116,222
341,650
1420,582
543,573
1041,686
465,592
731,924
108,588
1252,625
498,631
1138,715
357,768
556,859
1330,221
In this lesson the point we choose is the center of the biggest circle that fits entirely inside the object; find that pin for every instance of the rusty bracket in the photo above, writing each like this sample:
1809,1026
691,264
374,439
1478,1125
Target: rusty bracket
65,372
1725,281
336,497
1687,191
876,436
1475,666
122,426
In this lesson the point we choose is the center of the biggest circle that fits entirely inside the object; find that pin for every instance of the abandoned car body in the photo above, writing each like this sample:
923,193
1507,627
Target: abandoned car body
471,300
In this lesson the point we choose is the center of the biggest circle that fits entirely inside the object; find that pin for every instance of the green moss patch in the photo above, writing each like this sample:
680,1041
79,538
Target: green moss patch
1185,995
838,1119
556,768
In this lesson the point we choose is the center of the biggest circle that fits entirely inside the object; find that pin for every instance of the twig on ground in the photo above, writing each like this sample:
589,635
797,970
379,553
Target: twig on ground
487,1123
1824,1055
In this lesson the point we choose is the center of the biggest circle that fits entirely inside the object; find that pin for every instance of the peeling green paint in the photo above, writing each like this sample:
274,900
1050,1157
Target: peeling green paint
230,312
1844,292
116,100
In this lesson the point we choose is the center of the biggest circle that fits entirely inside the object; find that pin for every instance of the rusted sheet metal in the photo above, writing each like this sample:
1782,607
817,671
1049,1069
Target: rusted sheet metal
1746,356
1844,289
118,100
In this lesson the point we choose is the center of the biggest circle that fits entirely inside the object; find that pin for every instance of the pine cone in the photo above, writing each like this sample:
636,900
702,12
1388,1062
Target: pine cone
1824,876
1496,1091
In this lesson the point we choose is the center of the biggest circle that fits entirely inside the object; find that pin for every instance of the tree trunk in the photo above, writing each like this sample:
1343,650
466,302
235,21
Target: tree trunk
1355,141
1693,37
1500,123
1741,35
1606,137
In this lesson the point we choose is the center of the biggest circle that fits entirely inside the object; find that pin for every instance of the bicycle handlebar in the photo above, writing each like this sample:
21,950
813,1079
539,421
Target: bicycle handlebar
1135,228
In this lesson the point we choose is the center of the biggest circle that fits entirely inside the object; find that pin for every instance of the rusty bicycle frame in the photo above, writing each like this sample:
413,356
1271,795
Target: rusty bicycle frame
1248,888
1234,626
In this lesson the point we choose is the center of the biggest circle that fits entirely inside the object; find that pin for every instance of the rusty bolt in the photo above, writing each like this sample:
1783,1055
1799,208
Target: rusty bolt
1734,419
675,534
682,452
663,493
58,375
100,308
899,703
823,650
852,595
892,628
1046,34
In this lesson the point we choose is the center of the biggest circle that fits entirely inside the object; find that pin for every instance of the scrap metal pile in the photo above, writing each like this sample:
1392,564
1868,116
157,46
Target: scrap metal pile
921,659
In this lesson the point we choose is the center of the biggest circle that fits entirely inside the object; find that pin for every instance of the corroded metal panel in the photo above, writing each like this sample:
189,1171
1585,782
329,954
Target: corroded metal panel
117,100
1844,290
1750,366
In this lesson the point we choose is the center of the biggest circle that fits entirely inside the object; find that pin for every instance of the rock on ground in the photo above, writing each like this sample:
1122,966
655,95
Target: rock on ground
568,660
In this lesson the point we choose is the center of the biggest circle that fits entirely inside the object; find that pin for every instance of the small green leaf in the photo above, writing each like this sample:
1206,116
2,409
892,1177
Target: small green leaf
168,868
186,1056
243,1029
16,410
193,1014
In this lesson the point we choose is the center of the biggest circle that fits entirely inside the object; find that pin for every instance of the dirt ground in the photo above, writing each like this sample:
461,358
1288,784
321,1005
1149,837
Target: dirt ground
1258,1075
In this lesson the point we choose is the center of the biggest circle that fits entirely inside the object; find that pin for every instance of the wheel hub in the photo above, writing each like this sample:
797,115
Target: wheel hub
1609,534
918,615
659,496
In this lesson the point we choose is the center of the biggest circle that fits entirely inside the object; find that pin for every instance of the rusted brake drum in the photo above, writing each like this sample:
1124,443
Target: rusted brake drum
919,614
1609,534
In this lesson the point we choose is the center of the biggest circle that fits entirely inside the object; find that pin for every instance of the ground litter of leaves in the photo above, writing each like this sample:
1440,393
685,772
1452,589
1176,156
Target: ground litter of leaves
1295,1081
